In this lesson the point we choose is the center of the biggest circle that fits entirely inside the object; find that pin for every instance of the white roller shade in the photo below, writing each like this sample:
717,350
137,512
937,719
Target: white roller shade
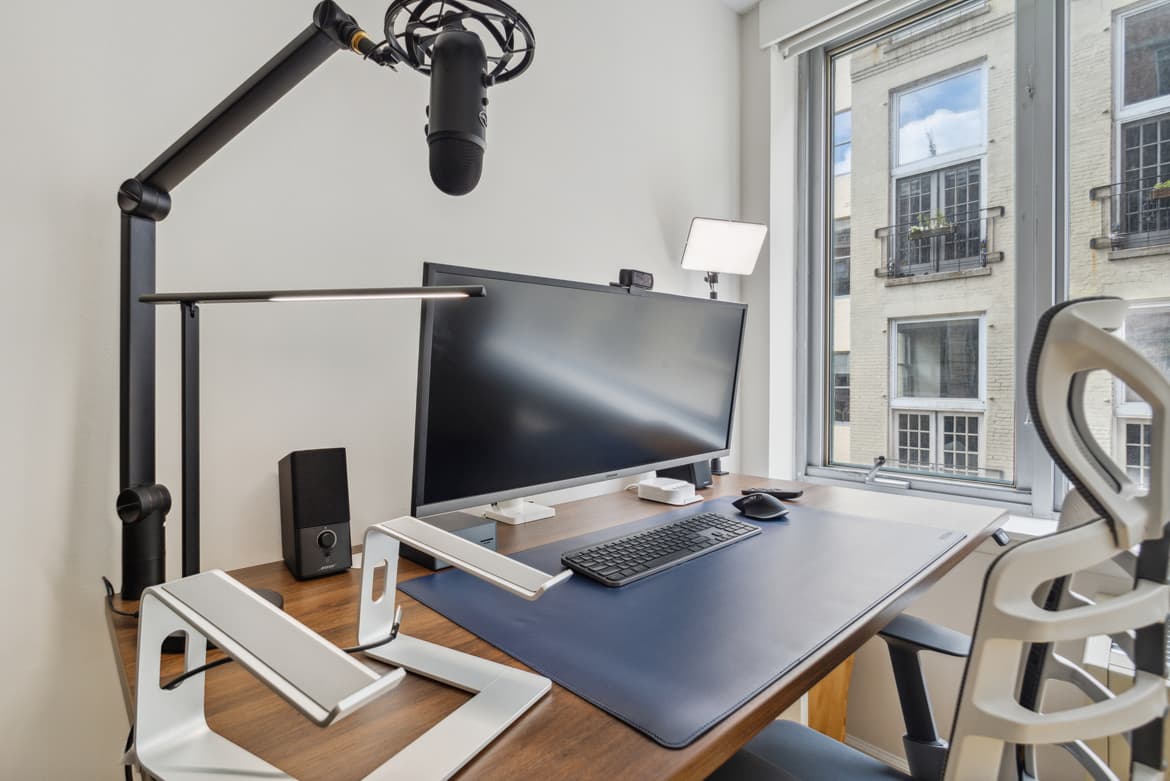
796,26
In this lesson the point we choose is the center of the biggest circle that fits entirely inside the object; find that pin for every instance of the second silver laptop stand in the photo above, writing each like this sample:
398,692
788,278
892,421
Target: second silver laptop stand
172,740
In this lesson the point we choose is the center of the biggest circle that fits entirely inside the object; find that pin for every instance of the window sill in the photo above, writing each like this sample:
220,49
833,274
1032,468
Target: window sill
1024,527
1139,252
939,276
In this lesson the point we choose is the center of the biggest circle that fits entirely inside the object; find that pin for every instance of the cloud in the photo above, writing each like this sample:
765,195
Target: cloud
949,131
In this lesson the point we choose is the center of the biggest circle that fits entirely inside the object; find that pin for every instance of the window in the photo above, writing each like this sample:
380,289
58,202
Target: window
942,120
1137,450
914,439
842,143
936,383
1147,328
938,215
840,387
939,219
937,360
841,239
1146,54
927,111
1146,159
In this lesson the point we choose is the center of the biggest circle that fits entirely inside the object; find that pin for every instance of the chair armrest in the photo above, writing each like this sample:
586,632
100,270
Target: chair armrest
918,635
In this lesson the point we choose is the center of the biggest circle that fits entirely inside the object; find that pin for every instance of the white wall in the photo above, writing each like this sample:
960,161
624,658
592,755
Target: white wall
597,159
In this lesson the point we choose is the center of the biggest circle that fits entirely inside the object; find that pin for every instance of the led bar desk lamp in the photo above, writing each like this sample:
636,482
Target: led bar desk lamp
722,247
129,504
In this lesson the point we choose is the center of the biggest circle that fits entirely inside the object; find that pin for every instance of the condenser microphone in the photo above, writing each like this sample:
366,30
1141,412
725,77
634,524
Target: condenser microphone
457,114
464,46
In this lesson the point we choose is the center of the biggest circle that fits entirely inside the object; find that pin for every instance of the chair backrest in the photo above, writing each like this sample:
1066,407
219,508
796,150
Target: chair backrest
1028,605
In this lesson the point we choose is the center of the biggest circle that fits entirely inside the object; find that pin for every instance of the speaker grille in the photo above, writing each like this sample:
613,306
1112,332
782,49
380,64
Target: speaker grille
320,487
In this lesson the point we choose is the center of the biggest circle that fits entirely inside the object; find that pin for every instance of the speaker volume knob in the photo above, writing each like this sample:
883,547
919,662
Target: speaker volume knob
327,539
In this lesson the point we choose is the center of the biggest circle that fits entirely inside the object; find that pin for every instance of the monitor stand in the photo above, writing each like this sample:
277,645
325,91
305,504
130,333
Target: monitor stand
517,511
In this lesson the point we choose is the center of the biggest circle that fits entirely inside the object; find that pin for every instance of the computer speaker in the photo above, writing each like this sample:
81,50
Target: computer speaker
314,512
698,473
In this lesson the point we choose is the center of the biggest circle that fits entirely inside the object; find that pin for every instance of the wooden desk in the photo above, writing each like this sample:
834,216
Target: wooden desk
563,736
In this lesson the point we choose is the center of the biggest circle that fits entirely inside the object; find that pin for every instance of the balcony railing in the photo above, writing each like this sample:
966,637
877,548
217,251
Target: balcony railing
1134,214
955,242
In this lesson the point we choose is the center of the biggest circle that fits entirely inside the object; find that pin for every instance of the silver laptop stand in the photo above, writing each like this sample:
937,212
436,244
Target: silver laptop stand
172,740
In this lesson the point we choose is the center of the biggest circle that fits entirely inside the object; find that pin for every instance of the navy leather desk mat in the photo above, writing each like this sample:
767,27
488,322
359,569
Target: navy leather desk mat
676,653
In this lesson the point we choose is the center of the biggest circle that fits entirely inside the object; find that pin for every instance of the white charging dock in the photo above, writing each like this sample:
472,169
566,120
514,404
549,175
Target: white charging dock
668,491
517,511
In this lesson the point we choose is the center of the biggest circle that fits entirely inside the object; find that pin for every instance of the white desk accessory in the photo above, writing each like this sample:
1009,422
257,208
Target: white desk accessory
172,741
668,491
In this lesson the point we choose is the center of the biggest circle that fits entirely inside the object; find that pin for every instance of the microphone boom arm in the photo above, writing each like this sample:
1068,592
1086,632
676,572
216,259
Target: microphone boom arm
144,201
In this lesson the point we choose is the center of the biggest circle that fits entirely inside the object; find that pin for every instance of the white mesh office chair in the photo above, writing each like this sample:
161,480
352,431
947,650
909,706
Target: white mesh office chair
1028,604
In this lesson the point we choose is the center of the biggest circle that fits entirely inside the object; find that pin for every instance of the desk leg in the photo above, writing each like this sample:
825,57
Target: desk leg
828,702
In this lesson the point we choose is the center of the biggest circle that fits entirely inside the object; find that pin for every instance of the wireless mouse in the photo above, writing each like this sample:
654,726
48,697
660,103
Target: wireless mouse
761,507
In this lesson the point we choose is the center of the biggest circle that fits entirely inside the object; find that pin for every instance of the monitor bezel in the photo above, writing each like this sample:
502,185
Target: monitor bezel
426,333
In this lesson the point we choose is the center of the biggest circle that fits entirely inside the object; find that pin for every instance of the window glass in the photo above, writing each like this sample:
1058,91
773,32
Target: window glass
842,146
1148,330
941,118
1147,54
938,360
1119,236
841,239
928,113
840,387
1137,451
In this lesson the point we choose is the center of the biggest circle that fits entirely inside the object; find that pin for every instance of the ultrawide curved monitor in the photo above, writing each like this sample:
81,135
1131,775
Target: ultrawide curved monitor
545,384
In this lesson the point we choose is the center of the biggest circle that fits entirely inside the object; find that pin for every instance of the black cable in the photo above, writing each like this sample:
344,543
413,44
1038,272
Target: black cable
129,743
110,600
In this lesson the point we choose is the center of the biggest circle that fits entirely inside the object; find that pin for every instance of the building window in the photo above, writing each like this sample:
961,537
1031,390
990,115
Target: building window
1147,329
1137,450
940,139
940,442
841,240
938,395
914,439
960,444
938,359
842,142
938,217
840,387
1145,151
1146,54
941,121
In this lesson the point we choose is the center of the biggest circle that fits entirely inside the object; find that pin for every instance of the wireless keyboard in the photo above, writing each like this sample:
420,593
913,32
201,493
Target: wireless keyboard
623,560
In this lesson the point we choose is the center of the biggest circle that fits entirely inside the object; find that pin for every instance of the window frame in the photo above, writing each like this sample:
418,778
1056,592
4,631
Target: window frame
1040,268
939,404
1120,445
935,447
965,155
1134,410
1144,109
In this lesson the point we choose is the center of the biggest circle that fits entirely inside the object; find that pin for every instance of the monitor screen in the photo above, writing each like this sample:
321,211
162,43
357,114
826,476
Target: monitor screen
545,384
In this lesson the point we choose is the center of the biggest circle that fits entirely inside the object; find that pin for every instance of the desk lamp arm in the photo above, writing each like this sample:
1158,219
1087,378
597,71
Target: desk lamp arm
145,200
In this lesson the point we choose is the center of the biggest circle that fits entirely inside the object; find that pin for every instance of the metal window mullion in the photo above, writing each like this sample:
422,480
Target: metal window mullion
1041,216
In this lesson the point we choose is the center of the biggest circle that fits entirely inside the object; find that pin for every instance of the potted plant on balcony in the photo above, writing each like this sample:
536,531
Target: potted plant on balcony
1160,190
928,228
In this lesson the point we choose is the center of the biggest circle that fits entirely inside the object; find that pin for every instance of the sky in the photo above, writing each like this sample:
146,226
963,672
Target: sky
946,115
